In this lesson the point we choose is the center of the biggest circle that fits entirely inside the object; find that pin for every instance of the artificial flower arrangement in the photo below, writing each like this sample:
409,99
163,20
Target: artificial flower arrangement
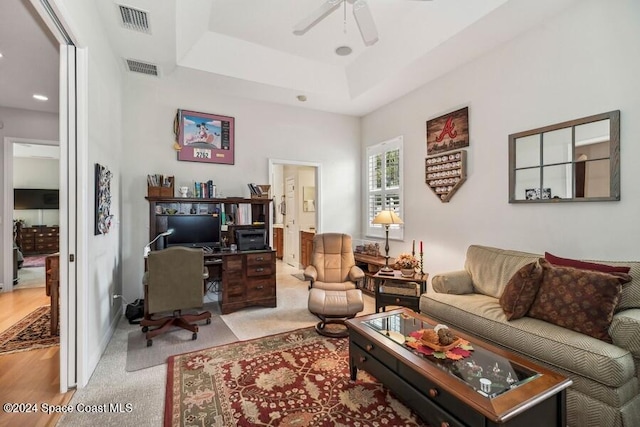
406,260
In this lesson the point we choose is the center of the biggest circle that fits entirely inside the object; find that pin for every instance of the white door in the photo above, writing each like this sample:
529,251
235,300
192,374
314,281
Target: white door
291,239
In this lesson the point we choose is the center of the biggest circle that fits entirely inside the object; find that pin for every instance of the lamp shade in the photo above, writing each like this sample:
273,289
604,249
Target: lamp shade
387,217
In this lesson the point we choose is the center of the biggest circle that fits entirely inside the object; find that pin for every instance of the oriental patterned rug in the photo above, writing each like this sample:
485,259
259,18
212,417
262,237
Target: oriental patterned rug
296,378
31,332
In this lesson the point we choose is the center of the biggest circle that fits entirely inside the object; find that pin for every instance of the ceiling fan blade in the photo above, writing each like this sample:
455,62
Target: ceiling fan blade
317,15
364,18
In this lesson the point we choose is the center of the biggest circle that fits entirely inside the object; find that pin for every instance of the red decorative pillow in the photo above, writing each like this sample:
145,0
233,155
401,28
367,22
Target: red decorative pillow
521,291
566,262
581,300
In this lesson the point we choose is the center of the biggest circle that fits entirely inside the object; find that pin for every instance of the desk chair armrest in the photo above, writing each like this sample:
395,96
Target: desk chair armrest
145,278
205,273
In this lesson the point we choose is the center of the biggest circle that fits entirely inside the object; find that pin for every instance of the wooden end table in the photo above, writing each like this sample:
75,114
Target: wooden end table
394,290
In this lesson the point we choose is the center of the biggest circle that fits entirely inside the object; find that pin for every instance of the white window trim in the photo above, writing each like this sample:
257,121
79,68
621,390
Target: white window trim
378,231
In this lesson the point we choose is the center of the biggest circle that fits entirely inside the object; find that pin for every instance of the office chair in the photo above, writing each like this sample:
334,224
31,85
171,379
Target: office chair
174,281
333,295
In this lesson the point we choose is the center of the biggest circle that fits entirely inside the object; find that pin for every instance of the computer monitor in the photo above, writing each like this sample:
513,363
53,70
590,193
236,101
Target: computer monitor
194,231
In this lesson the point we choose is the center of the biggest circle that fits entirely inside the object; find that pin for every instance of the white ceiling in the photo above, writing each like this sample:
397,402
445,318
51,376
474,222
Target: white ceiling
247,48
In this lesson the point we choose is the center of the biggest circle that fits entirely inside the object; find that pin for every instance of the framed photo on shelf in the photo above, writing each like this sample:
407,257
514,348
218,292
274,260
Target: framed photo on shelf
203,137
537,194
448,132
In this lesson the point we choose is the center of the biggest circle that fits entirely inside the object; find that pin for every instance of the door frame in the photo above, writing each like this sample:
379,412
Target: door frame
7,212
73,119
318,178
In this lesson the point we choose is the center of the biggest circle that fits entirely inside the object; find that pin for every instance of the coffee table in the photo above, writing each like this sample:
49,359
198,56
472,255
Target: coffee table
445,392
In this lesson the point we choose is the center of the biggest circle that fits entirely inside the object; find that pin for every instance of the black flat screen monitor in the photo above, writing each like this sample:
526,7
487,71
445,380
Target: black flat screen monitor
194,231
35,198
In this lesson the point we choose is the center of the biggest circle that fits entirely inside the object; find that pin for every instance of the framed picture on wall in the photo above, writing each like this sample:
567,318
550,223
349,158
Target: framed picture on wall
103,200
207,138
448,132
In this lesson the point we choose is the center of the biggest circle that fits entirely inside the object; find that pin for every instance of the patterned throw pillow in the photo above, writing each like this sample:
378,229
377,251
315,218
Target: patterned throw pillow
581,300
521,291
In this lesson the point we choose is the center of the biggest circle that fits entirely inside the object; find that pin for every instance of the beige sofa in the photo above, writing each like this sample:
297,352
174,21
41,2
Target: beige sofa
605,390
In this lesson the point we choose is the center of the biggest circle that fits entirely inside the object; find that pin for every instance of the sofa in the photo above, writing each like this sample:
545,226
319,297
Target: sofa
605,389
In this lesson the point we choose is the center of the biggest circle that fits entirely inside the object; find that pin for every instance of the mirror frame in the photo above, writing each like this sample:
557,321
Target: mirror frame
614,157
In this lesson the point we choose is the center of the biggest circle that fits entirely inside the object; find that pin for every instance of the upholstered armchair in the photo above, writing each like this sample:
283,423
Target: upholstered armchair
333,294
174,281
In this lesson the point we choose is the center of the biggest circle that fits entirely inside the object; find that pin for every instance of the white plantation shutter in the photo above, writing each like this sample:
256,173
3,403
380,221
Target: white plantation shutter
384,185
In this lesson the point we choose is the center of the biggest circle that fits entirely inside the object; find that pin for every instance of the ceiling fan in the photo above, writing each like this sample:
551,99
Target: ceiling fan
361,13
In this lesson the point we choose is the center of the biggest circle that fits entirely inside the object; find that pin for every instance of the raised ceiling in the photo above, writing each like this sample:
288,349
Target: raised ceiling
247,48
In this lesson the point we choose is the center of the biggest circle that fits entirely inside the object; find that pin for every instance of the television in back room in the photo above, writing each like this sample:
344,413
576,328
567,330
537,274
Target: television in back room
36,198
195,231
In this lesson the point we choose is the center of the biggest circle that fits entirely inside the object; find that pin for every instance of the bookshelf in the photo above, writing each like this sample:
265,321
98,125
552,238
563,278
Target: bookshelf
236,212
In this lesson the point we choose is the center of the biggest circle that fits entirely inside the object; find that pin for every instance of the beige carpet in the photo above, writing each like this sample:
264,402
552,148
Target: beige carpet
290,314
176,341
145,388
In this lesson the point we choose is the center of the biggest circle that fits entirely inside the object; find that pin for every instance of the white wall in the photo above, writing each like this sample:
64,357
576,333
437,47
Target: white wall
582,62
263,131
98,256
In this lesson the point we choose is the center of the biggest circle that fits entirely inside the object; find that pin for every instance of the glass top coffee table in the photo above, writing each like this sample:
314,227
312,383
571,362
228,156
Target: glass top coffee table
467,382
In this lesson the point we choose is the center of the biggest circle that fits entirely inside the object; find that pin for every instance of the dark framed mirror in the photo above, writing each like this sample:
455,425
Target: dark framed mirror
573,161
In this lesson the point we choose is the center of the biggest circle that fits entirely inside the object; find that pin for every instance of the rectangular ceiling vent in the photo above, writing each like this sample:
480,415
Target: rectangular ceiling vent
134,19
142,67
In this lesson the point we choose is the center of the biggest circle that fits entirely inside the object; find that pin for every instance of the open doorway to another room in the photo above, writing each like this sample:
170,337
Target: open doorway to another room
297,210
36,218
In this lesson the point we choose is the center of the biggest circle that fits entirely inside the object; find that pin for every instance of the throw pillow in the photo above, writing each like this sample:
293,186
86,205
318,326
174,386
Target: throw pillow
567,262
521,291
580,300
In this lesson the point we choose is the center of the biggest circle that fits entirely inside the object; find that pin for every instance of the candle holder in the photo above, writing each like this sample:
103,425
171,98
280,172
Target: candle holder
421,262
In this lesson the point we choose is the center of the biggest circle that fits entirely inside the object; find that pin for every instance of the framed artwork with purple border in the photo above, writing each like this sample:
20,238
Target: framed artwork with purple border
207,138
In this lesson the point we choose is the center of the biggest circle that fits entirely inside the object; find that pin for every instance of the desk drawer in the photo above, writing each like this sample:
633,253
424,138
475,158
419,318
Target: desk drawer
261,288
260,258
259,270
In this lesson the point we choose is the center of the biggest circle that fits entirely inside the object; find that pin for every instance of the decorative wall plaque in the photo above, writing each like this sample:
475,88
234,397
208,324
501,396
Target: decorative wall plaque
448,132
445,173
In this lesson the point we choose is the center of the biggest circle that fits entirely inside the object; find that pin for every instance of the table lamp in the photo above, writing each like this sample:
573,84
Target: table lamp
147,247
386,218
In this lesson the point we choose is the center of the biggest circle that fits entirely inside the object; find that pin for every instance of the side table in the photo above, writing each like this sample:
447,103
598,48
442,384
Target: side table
397,290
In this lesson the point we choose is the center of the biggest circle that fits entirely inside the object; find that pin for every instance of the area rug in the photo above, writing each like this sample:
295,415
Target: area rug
33,261
296,378
31,332
176,341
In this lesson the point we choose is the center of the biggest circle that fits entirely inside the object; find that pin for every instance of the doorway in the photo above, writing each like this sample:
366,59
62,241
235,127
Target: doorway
34,184
296,191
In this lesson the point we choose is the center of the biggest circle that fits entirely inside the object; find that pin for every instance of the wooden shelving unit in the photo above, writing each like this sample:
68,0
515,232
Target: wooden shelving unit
162,207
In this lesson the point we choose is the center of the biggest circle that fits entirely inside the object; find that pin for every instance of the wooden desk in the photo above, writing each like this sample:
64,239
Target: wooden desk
52,283
247,278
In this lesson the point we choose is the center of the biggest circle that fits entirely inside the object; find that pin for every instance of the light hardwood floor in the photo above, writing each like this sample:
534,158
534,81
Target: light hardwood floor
28,376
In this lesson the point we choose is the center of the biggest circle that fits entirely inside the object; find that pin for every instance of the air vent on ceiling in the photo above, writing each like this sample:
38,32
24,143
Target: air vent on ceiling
142,67
134,19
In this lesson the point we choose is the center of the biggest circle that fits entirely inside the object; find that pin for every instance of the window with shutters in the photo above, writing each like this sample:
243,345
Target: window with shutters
384,185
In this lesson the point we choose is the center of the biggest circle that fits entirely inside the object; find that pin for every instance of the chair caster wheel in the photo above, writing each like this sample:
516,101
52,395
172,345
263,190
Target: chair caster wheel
145,329
208,321
149,343
194,336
